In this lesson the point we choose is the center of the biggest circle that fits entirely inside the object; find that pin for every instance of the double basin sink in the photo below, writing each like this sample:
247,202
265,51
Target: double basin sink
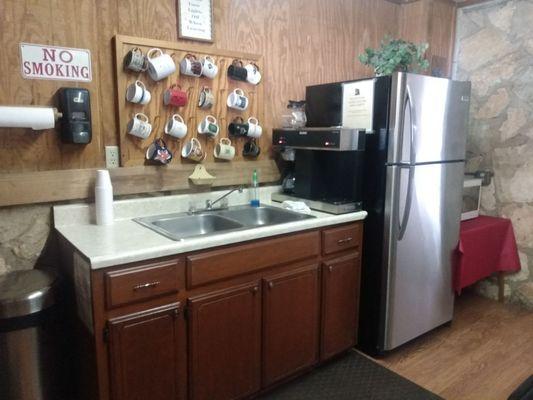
206,223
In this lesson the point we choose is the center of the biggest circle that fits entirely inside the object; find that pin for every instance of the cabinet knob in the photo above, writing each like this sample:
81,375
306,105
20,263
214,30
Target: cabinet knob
330,268
176,312
270,285
254,290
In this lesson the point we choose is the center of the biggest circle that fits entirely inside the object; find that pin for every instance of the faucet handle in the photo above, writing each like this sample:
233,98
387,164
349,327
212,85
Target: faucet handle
224,202
208,204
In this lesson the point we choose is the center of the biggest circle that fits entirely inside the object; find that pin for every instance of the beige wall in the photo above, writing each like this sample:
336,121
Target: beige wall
495,51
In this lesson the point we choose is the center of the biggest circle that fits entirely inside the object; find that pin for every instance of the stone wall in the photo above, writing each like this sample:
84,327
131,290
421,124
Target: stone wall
494,50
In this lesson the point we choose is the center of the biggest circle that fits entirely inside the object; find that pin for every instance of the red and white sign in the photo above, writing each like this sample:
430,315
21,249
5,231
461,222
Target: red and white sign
58,63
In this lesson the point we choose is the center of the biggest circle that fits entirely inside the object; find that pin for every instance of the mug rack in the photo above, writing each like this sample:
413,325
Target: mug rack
133,149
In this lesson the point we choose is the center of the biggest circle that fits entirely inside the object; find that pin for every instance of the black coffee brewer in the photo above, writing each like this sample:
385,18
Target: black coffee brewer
328,167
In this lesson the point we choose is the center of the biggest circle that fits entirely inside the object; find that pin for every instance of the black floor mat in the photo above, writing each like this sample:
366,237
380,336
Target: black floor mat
351,377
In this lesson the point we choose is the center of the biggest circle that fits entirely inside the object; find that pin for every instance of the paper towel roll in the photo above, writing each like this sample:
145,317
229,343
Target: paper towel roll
28,117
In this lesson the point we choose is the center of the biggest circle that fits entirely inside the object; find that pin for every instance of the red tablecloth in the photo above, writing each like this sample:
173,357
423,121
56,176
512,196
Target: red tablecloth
486,245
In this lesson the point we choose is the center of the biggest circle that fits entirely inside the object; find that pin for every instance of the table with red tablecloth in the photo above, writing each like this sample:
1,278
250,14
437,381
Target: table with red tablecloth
487,245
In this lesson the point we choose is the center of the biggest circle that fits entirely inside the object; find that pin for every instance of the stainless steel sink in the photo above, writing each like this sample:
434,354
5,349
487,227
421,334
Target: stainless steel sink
180,226
183,225
259,216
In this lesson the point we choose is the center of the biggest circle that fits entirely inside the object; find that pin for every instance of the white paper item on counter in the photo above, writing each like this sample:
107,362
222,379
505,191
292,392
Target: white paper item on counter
298,206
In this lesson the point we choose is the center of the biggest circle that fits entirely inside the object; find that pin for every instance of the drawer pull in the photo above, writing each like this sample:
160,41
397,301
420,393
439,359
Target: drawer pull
146,285
340,242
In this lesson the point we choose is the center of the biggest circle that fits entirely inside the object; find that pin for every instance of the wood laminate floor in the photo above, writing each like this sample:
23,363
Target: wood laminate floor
485,354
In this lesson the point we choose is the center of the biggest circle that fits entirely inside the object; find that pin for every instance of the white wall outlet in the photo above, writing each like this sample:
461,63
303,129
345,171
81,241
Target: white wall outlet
112,157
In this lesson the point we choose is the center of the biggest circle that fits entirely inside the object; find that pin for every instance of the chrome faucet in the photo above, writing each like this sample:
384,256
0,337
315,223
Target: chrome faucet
209,204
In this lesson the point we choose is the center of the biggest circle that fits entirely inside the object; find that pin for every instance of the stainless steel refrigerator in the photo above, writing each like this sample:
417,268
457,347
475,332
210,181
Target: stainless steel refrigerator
413,194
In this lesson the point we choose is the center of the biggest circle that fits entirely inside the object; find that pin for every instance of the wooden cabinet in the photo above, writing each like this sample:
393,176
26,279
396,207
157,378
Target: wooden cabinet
340,304
144,354
290,322
256,313
225,343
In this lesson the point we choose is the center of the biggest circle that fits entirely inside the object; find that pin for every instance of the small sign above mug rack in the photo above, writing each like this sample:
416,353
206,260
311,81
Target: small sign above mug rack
163,103
195,19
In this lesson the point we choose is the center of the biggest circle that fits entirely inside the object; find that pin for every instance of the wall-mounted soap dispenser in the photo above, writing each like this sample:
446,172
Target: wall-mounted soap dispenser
75,104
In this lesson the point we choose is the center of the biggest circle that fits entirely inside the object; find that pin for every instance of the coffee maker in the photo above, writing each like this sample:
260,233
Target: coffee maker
328,165
329,152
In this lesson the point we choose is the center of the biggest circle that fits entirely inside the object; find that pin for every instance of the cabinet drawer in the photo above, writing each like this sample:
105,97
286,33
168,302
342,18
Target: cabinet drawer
215,265
341,238
142,283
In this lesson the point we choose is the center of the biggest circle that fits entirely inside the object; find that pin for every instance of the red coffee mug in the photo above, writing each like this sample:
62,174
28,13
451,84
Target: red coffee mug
174,96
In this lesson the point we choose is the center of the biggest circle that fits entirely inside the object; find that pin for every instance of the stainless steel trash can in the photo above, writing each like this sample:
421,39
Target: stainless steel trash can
28,338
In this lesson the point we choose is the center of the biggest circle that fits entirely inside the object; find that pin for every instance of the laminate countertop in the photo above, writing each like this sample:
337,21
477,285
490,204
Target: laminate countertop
127,241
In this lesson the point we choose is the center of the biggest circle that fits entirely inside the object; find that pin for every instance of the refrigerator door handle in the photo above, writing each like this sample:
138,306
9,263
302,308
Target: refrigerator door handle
412,117
402,226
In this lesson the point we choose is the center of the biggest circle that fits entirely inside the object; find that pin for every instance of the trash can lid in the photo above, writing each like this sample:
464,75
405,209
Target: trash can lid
26,292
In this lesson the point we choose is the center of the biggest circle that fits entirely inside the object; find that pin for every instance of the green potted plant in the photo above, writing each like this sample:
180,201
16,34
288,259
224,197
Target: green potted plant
396,55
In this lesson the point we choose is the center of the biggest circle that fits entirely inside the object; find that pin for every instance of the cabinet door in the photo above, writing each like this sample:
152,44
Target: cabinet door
290,323
340,302
225,343
143,352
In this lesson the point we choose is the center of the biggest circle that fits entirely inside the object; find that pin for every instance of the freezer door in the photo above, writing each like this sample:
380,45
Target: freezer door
429,119
421,235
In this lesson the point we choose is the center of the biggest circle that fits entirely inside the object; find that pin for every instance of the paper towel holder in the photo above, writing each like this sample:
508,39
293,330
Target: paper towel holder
29,117
75,105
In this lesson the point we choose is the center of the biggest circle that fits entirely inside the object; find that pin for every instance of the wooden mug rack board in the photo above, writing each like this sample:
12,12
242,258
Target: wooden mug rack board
133,149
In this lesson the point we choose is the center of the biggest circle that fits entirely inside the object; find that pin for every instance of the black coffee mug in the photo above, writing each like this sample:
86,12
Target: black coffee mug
238,128
251,149
237,71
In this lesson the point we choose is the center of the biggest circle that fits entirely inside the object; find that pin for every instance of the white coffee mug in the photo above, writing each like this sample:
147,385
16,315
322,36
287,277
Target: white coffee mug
160,65
253,76
208,126
254,129
224,150
176,127
209,68
190,65
139,126
137,93
237,100
192,150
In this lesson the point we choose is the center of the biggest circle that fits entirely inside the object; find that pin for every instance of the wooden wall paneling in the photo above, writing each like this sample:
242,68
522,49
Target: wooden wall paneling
441,35
31,21
48,186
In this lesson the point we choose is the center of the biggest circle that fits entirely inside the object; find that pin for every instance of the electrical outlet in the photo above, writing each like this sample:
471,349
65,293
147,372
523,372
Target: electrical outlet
112,157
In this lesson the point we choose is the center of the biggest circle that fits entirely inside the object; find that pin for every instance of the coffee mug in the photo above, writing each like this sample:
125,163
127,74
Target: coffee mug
206,98
254,129
174,96
224,150
176,127
159,152
190,65
237,100
137,93
134,60
253,75
251,149
237,71
237,127
208,126
160,65
192,150
209,68
139,126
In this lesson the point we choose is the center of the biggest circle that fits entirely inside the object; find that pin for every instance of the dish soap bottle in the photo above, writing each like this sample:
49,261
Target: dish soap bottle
254,190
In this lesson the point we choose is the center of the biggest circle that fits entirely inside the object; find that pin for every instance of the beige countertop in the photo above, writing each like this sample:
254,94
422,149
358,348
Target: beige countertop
127,241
